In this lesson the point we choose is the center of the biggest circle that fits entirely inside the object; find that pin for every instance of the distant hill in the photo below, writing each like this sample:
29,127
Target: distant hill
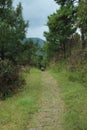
35,40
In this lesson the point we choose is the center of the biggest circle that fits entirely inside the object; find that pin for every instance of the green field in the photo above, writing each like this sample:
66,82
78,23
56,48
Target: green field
74,96
16,111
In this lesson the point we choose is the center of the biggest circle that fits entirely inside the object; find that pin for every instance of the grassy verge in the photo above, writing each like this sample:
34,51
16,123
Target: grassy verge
16,111
74,95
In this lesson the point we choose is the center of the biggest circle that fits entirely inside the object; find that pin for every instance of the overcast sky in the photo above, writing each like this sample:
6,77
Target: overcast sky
37,13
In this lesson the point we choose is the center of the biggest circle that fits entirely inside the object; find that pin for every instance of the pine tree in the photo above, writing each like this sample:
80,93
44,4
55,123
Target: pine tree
61,28
12,29
81,21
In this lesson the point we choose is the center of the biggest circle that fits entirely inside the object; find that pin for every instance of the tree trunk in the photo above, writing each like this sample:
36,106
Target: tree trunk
64,50
2,53
83,39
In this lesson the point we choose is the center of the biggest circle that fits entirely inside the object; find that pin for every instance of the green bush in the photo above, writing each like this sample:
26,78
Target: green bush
9,78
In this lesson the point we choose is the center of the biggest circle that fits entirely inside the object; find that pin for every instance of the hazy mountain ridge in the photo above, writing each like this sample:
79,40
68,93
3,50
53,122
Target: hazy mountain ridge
40,41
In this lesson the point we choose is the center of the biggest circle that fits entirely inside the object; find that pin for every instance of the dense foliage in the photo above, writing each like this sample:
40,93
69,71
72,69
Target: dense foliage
64,25
9,78
12,32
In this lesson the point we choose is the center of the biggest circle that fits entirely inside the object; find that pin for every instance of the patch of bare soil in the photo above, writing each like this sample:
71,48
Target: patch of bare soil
50,115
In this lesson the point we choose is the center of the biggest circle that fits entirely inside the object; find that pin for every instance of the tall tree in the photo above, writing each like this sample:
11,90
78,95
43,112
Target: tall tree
65,2
81,15
82,21
28,52
12,29
61,27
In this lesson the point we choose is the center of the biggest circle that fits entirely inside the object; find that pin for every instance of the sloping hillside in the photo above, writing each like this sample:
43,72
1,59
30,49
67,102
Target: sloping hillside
35,40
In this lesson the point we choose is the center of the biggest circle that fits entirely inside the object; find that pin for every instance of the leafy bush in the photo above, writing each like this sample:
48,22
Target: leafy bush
9,77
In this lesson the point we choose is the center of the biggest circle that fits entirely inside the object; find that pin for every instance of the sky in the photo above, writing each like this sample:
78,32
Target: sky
36,13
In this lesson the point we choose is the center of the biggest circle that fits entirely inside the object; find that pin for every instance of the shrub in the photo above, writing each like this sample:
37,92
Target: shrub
9,77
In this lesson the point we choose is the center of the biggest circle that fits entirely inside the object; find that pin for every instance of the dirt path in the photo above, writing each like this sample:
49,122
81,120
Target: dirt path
50,115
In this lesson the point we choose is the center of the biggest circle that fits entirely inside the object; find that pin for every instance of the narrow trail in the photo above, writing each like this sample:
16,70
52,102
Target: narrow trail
50,115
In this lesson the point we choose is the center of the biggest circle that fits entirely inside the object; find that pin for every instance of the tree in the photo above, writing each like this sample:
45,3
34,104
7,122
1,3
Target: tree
82,21
66,2
28,52
12,30
61,27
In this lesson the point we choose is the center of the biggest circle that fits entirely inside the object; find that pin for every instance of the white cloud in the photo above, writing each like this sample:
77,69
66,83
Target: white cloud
37,32
37,13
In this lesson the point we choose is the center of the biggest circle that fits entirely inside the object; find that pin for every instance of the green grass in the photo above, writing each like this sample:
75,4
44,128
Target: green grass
74,95
16,111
